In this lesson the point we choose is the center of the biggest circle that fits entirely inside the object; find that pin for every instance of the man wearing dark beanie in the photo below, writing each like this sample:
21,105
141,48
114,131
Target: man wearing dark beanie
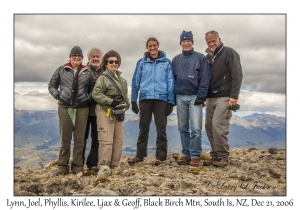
192,75
186,35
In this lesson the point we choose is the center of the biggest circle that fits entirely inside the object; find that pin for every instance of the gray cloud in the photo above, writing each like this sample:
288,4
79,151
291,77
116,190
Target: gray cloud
43,42
262,102
35,96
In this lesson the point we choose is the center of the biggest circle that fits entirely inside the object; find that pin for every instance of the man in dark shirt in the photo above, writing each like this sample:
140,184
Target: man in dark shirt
223,92
94,64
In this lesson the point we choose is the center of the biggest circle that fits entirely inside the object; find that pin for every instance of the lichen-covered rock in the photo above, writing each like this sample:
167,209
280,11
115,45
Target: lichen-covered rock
103,172
251,172
275,173
273,150
103,192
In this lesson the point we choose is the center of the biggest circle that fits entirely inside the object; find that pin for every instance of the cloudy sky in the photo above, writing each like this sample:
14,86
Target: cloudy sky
32,47
42,42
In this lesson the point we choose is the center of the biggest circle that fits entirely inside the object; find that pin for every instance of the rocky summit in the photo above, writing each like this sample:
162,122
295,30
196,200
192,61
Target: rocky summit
251,172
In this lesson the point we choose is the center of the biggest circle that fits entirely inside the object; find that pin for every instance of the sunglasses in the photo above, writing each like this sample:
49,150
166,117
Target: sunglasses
74,56
112,61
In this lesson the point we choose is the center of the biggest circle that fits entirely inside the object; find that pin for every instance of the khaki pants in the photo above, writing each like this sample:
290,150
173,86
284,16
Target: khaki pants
66,131
217,124
110,137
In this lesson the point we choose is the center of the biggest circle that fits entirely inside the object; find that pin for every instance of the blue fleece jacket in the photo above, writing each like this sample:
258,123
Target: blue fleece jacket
154,79
192,74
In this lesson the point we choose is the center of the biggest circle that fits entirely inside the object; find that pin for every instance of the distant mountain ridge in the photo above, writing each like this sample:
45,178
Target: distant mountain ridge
254,115
37,140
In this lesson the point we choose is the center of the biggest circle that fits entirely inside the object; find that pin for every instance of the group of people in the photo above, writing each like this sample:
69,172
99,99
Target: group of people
95,96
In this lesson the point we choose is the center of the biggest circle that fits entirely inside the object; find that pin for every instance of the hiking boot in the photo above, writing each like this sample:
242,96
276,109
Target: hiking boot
184,161
115,168
221,163
209,162
95,168
59,172
135,160
194,162
76,170
157,162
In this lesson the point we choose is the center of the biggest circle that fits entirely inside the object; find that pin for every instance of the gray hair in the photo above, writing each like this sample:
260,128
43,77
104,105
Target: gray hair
213,32
94,49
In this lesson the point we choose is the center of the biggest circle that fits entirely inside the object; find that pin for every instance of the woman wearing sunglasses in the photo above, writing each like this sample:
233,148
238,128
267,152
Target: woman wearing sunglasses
110,91
154,80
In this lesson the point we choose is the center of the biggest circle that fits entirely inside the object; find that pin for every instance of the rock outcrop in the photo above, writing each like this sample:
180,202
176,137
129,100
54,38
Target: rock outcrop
250,172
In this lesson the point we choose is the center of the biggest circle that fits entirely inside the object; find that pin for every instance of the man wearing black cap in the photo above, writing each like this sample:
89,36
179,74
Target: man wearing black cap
72,85
192,75
222,97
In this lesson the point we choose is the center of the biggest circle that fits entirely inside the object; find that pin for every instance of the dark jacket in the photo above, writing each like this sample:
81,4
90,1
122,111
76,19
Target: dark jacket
226,72
192,74
70,88
96,75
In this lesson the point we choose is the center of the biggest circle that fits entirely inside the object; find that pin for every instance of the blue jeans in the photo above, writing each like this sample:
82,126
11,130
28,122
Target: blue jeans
189,125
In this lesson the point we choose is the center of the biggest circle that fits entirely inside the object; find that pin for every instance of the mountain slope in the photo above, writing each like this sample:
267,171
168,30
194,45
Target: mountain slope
37,133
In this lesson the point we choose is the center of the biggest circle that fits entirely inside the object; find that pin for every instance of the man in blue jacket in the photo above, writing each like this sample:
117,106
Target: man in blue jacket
192,75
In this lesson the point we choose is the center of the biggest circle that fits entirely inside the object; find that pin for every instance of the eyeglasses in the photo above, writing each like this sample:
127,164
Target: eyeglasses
188,41
112,61
74,56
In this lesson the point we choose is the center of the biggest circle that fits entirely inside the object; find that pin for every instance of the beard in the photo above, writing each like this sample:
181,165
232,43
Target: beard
96,65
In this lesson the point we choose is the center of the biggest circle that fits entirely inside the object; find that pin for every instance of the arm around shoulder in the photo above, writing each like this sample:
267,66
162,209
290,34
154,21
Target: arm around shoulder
91,84
171,83
99,90
135,83
204,78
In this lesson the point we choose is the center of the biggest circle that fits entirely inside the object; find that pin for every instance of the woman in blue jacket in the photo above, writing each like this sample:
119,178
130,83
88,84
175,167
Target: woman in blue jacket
154,80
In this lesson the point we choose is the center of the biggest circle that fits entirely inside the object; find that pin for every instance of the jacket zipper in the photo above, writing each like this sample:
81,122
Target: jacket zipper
72,90
73,87
154,67
183,73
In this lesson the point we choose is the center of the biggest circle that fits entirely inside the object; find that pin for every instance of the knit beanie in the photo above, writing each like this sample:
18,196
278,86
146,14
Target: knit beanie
110,53
186,35
76,51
